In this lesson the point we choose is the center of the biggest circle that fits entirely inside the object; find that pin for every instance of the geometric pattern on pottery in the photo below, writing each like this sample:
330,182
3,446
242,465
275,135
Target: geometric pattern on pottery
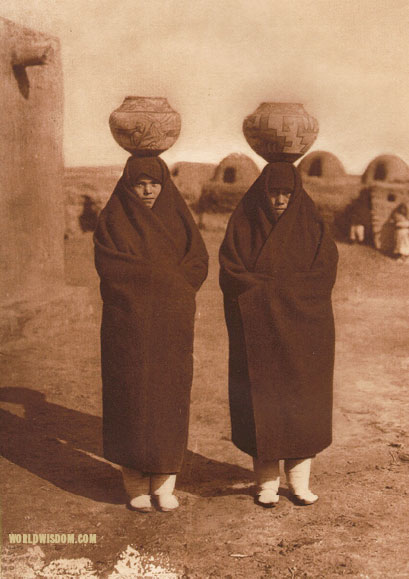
145,125
148,132
274,129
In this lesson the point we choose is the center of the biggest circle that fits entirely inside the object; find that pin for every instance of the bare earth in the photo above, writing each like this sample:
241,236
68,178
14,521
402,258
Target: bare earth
56,481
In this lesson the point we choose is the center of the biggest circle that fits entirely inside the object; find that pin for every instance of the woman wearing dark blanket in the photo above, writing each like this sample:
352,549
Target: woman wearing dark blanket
278,268
151,260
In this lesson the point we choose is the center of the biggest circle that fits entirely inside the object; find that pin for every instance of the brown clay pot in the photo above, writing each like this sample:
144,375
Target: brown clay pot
280,131
145,126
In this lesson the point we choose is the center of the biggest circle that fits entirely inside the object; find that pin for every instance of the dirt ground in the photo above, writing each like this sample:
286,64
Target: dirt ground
55,480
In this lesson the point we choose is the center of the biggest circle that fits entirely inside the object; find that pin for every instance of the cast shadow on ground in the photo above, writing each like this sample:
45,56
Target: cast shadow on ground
63,446
211,478
57,444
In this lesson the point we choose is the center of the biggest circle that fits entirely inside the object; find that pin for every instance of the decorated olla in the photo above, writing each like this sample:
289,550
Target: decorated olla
280,131
145,126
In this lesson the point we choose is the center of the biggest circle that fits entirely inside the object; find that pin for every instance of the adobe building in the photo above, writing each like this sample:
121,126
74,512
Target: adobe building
230,181
322,165
332,189
189,178
386,169
387,181
86,191
31,168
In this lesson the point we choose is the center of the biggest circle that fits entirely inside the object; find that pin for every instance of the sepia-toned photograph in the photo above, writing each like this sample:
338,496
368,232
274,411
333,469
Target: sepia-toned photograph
204,325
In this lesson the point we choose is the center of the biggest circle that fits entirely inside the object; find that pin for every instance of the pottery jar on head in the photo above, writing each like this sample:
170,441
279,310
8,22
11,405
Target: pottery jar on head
145,126
280,131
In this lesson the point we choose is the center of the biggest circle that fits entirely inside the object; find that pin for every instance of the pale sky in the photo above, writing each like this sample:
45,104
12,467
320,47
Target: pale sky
216,60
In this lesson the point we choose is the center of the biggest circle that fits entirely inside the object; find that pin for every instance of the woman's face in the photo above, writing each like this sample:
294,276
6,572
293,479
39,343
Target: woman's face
279,199
147,190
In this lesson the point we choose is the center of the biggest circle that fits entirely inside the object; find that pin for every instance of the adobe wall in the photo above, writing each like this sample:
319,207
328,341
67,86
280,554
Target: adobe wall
385,197
31,163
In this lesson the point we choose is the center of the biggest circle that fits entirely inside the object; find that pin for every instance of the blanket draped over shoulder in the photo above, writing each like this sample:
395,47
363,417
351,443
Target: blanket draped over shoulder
151,262
277,277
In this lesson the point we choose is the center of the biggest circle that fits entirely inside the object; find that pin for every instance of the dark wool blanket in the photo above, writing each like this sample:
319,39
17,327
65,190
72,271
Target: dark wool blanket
151,262
277,277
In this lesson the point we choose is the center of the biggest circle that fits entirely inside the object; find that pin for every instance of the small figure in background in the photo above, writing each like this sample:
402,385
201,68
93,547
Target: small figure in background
400,220
358,218
356,233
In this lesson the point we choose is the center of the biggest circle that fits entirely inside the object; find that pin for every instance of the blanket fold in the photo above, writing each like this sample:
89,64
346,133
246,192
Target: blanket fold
277,277
151,262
